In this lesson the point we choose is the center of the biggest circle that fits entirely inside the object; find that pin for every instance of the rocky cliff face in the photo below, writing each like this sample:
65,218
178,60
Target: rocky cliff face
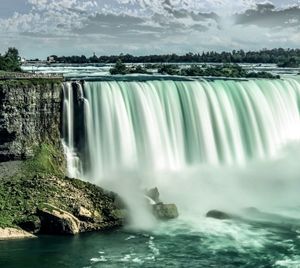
30,114
35,195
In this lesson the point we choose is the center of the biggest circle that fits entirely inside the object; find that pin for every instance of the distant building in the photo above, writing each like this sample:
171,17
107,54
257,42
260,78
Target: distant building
51,59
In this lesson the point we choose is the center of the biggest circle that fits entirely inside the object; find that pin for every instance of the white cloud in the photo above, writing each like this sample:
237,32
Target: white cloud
138,26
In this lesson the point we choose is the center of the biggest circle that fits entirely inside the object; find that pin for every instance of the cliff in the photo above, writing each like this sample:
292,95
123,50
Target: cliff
30,114
35,195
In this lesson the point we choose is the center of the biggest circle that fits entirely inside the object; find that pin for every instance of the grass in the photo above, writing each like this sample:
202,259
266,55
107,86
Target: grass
47,160
42,182
22,194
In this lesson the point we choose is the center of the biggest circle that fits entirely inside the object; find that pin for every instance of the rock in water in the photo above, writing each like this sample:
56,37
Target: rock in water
57,221
160,210
165,211
13,233
216,214
153,194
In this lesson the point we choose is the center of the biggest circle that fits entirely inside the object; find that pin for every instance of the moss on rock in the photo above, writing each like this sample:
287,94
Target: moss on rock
42,180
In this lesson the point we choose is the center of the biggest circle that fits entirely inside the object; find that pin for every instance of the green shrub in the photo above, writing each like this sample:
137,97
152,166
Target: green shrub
47,160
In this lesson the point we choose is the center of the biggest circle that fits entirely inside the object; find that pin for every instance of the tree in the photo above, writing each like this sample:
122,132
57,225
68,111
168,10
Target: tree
119,68
10,61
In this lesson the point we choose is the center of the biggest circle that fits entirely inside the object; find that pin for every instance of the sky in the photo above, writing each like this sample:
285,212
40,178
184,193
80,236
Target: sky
39,28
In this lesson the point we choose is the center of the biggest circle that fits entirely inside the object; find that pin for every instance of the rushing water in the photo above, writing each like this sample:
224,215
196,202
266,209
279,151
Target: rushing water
175,244
218,144
171,125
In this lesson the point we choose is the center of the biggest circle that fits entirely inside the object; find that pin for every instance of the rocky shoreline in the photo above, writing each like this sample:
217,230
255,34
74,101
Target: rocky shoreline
37,198
13,233
53,205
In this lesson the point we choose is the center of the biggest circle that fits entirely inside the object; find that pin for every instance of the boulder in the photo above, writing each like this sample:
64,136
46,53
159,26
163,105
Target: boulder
165,211
153,194
97,217
13,233
216,214
57,221
84,214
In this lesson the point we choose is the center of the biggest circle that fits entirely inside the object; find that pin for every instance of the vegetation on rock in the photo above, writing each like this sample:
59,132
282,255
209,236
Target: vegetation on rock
41,182
121,68
224,70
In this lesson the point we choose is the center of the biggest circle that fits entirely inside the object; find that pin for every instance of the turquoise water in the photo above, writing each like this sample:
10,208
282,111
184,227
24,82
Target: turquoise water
175,244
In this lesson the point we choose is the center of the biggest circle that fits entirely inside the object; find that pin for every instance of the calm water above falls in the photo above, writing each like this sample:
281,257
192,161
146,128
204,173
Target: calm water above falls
222,145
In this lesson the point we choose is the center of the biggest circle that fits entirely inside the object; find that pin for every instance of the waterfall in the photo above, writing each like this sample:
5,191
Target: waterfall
169,125
73,162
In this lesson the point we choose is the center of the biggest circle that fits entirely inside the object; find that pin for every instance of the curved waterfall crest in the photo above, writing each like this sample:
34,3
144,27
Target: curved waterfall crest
168,125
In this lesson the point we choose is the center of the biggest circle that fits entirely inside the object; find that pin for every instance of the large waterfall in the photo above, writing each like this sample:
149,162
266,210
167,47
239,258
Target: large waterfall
168,125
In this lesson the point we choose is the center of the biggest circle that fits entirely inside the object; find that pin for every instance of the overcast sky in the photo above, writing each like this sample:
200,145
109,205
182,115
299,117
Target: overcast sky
66,27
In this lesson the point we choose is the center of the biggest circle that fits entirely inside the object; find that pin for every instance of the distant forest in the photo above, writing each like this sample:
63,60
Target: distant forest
281,57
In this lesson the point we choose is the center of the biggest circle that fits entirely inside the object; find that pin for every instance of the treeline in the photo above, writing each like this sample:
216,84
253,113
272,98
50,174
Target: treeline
281,57
224,70
10,61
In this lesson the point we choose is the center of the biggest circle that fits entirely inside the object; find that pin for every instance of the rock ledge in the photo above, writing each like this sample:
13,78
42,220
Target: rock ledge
13,233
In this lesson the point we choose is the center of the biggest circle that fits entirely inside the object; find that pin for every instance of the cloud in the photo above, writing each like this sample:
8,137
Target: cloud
266,15
42,27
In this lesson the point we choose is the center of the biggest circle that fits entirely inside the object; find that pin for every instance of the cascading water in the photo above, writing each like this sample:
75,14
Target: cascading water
169,125
203,142
73,162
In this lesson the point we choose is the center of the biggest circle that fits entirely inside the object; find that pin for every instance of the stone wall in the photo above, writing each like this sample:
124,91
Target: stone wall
30,114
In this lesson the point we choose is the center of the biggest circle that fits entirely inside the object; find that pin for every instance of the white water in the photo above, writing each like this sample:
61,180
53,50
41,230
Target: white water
209,142
73,162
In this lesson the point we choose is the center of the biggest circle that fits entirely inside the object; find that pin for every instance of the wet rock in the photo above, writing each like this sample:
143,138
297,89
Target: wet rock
13,233
165,211
252,211
216,214
31,224
153,194
57,221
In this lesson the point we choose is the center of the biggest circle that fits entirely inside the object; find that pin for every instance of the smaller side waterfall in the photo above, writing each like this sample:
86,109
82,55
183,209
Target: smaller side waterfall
73,161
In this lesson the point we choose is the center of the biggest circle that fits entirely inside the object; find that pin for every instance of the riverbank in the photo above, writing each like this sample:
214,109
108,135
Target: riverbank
37,198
